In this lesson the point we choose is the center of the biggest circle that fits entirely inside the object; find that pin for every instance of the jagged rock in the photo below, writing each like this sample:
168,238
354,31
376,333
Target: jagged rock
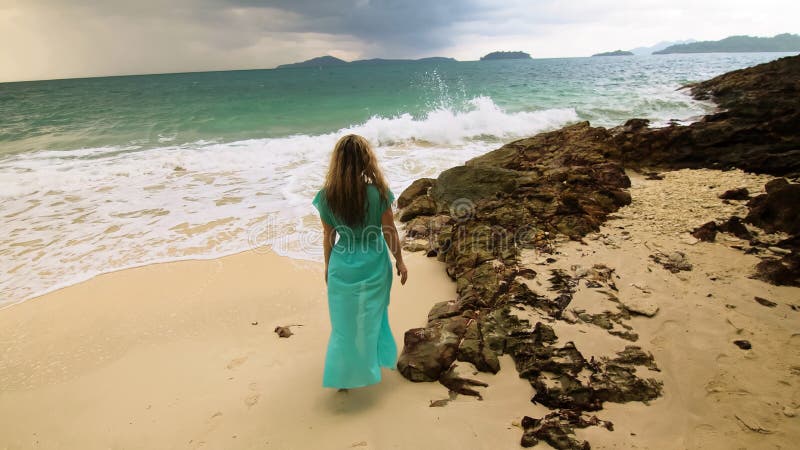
567,182
460,385
706,232
416,189
735,194
558,429
428,352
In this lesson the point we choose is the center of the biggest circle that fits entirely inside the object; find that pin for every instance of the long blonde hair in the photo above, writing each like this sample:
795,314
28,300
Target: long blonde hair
353,167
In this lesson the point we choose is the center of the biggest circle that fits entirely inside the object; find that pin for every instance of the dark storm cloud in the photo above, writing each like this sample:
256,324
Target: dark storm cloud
410,26
72,38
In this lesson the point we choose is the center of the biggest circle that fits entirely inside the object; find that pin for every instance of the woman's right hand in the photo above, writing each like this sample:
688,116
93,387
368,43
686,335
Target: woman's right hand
402,271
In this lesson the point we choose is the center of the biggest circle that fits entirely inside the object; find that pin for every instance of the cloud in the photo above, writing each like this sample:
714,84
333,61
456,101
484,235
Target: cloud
72,38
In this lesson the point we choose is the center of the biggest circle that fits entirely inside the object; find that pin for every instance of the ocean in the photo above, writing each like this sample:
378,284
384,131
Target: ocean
100,174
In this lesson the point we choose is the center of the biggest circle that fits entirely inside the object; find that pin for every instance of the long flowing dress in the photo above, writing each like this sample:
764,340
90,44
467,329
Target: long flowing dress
359,281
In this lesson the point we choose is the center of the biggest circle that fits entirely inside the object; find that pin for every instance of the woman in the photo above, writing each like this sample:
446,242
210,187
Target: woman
355,204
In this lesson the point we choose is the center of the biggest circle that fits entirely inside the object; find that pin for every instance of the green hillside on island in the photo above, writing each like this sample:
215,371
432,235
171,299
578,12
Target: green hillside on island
614,53
505,55
325,61
738,44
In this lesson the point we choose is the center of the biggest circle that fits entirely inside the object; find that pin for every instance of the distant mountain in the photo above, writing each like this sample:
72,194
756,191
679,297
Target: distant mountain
734,44
316,62
614,53
506,55
660,46
324,61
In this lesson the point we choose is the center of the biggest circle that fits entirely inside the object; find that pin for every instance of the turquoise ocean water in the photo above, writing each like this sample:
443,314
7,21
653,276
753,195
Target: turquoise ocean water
100,174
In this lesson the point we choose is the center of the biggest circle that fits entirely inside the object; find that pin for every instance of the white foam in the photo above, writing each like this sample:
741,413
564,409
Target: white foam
69,215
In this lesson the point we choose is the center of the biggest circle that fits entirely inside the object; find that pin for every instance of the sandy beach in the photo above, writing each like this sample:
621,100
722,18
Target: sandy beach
168,356
183,355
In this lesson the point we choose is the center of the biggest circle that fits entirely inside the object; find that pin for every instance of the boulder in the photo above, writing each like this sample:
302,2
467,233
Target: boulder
417,188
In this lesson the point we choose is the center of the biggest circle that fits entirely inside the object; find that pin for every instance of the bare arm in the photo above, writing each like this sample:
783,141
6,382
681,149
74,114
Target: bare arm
328,238
393,241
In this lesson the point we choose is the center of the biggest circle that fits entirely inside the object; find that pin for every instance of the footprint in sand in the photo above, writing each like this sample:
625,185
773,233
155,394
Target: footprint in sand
251,399
234,363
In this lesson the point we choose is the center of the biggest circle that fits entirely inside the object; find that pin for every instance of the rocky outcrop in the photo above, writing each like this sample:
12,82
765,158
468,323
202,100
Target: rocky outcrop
755,130
477,218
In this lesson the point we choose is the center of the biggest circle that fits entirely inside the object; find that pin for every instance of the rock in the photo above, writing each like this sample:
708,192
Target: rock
416,245
765,302
735,194
283,332
416,189
469,184
674,262
558,429
735,227
461,385
776,184
743,344
777,210
640,306
420,206
781,272
429,352
706,232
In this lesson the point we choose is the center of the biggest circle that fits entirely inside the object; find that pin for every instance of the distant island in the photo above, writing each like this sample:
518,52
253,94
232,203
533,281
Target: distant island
614,53
326,61
660,46
736,44
506,55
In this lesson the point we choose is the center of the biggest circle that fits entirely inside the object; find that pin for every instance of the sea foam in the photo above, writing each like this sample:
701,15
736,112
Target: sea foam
70,215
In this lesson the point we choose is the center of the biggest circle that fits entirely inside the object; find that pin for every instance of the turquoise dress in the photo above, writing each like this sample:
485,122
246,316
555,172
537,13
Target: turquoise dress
359,280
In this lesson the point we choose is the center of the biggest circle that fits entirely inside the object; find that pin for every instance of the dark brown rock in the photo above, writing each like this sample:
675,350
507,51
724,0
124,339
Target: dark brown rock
765,302
420,206
706,232
416,189
735,194
777,210
735,226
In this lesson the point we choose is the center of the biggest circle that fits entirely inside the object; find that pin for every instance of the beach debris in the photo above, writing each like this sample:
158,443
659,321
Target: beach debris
254,323
743,344
706,232
765,302
674,262
735,194
284,331
359,444
438,403
179,169
752,425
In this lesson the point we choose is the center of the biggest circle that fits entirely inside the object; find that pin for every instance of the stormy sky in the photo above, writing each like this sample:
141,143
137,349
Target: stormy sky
45,39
